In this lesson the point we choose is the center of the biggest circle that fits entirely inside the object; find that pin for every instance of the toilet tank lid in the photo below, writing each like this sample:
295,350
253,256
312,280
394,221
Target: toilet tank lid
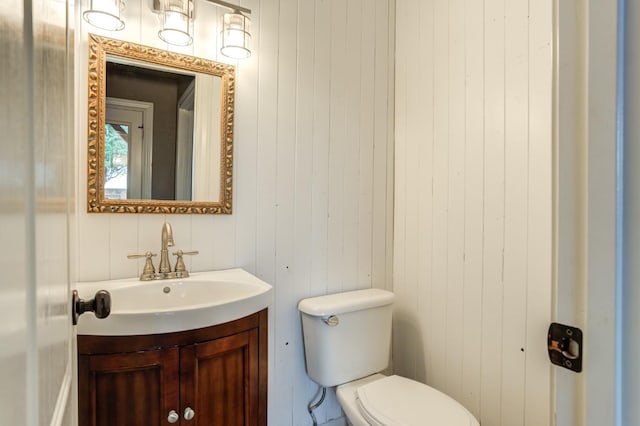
350,301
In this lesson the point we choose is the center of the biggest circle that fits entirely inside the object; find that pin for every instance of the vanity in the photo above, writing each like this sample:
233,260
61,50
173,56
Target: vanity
171,347
181,351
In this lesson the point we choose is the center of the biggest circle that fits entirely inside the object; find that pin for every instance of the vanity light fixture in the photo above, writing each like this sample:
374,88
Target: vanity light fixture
235,35
105,14
176,22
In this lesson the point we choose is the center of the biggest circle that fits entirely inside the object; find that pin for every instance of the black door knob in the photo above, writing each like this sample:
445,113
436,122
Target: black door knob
100,305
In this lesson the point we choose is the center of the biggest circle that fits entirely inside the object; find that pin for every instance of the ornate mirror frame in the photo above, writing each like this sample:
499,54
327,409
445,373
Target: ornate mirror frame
99,48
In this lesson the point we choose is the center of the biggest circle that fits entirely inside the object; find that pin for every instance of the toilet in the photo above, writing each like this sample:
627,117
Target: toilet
347,343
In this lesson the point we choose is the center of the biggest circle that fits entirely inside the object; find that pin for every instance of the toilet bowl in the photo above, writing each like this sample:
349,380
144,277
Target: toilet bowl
362,319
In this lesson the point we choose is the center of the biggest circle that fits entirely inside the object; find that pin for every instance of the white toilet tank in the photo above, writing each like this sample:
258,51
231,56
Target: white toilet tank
347,335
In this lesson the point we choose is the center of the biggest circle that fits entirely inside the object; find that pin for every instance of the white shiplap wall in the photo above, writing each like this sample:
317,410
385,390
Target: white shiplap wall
313,169
473,206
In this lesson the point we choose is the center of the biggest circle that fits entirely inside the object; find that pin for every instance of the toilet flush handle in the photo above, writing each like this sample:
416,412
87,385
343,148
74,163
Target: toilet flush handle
331,320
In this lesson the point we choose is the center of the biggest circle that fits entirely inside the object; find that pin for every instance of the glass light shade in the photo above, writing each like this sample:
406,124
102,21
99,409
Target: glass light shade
105,14
235,36
176,23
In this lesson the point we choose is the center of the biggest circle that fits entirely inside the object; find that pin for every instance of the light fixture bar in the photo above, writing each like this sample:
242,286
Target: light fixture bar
230,6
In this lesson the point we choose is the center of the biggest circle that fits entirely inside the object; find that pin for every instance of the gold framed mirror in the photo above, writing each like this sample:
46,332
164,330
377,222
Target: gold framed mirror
160,131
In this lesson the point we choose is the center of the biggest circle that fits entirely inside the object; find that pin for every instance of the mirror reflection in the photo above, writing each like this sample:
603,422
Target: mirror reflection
149,118
160,130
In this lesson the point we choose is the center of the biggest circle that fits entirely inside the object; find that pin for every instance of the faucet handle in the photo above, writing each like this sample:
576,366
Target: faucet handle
148,264
179,262
185,253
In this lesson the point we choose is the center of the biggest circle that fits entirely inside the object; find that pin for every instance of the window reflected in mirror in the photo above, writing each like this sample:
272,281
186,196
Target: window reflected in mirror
116,160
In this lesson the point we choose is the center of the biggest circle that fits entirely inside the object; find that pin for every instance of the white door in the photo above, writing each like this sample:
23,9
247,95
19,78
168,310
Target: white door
36,191
128,174
630,332
588,209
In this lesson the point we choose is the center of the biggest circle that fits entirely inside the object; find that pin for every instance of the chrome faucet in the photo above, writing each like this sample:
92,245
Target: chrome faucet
167,241
164,270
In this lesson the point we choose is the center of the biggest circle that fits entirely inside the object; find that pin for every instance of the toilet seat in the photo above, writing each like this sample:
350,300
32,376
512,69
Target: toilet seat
398,401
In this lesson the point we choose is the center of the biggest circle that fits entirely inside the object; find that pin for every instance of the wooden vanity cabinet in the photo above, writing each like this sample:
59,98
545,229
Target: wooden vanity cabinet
219,372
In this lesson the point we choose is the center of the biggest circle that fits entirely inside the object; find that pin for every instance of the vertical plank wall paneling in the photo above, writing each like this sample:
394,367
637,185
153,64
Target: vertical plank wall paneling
472,241
313,169
494,210
540,223
474,201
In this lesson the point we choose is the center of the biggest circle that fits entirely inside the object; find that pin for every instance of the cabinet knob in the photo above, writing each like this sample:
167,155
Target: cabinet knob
189,413
173,416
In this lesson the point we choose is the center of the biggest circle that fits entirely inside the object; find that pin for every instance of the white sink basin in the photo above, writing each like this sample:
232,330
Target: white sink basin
165,306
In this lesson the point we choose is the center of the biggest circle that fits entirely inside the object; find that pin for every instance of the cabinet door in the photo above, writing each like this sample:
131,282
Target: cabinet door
219,381
128,389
